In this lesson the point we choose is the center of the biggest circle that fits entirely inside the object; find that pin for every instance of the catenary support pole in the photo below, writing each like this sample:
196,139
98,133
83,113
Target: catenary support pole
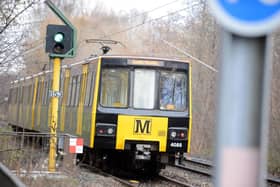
241,111
54,113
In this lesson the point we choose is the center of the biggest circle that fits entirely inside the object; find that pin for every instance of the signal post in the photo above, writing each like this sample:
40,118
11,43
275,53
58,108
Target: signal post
60,43
54,112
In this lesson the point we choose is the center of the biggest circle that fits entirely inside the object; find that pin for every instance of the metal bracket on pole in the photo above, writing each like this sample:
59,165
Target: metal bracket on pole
72,52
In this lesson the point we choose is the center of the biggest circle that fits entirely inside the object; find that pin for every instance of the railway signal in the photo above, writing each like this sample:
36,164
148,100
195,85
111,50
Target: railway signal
60,43
59,39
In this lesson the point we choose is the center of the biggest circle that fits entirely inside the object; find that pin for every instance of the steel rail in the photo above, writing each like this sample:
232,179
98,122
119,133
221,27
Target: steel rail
273,180
195,170
270,179
99,171
169,179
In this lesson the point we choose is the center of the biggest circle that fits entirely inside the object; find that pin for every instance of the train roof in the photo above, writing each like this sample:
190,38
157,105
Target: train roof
90,59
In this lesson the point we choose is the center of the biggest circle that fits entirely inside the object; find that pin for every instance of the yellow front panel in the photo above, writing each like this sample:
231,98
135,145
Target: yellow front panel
142,128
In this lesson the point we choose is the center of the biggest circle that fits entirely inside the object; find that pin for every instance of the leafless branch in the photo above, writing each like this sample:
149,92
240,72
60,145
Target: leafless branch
8,22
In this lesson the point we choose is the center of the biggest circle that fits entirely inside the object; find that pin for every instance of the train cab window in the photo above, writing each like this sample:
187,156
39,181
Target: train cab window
173,91
114,87
144,89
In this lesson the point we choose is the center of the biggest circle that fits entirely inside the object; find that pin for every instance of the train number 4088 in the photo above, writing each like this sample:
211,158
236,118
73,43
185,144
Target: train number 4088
176,144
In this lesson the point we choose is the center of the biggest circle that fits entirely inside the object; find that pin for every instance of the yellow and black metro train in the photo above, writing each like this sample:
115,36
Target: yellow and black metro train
131,111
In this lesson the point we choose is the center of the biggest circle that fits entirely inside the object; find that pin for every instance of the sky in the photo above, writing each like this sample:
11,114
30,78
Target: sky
143,5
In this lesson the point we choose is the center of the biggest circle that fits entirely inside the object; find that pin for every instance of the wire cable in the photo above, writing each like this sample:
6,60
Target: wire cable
149,21
154,9
190,56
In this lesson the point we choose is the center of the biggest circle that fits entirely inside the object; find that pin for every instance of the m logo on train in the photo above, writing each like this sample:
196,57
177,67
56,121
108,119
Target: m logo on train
142,126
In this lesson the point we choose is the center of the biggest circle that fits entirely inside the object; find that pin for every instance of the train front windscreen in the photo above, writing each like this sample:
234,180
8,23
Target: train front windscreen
141,88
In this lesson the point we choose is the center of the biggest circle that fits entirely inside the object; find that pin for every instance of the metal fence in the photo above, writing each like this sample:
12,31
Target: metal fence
28,151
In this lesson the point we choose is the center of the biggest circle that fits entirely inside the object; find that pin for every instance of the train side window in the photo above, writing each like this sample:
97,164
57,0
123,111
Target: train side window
15,96
61,84
46,93
49,88
23,95
31,91
78,90
88,88
11,91
10,97
61,90
92,89
73,91
37,94
19,95
26,94
28,91
69,91
41,91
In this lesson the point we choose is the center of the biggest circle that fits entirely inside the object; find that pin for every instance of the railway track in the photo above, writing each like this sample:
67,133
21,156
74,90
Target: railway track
205,167
202,167
160,179
172,180
126,182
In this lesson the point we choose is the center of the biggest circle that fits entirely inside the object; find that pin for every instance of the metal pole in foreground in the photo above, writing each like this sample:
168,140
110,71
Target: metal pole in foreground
240,112
54,113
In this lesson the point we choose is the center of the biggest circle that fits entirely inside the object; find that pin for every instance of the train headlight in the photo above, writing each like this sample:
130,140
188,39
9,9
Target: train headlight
178,133
173,134
105,129
110,131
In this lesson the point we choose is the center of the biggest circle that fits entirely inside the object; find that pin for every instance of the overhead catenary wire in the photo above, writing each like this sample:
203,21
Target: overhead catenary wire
190,56
166,42
154,9
149,21
140,24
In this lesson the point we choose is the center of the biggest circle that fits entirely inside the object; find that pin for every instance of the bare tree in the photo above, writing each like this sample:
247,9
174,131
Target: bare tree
12,31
